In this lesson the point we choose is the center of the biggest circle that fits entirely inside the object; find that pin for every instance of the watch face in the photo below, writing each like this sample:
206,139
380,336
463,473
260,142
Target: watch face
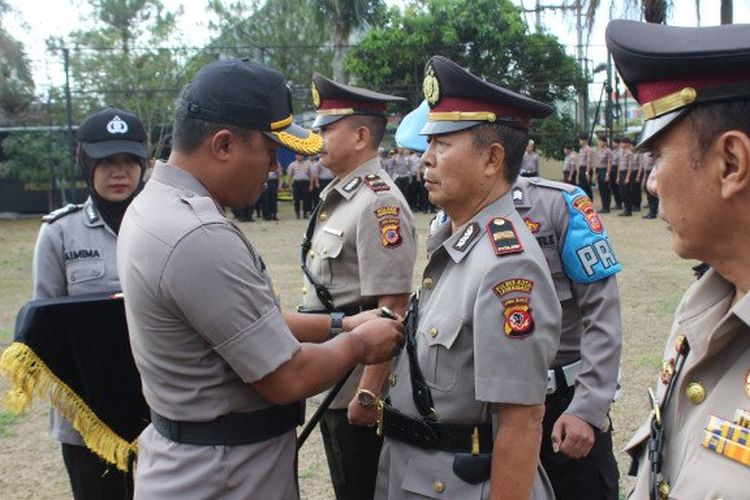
366,399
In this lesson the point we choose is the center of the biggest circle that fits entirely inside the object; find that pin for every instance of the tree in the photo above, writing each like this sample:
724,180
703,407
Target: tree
283,34
345,18
553,133
488,37
119,63
16,82
39,158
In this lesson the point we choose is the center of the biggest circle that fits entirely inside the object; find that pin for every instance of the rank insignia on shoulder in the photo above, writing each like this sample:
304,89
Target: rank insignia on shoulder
352,184
584,205
534,227
61,212
519,322
517,195
389,211
471,232
390,232
375,183
503,236
519,285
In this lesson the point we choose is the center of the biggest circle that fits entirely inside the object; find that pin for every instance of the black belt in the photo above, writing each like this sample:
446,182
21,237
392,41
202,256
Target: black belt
348,311
235,428
454,438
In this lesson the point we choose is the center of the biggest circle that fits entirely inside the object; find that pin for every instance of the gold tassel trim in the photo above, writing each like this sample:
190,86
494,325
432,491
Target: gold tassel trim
311,145
31,377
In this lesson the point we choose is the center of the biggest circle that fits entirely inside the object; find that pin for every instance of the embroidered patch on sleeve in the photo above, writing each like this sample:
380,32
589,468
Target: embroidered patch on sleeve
503,236
375,183
584,205
390,233
388,211
534,227
520,285
519,322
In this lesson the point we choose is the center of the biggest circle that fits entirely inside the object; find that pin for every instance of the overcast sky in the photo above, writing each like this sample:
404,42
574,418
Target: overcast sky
38,19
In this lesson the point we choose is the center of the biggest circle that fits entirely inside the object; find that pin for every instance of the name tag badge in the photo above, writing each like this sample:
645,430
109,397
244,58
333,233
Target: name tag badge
333,231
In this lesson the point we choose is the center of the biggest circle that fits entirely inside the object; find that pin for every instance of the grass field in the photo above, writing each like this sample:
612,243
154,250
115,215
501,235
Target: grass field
651,285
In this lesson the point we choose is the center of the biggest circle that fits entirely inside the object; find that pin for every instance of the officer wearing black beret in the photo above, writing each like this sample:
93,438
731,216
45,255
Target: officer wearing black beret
485,324
694,88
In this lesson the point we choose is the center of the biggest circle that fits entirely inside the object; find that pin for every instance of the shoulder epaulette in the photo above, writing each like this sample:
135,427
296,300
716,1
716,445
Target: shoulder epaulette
375,183
560,186
503,236
61,212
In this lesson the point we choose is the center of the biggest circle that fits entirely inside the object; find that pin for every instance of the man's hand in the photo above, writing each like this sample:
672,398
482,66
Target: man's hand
352,322
359,415
572,436
381,339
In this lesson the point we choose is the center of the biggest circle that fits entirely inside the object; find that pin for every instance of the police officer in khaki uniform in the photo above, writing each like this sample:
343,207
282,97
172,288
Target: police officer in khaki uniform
223,369
603,172
577,442
464,418
361,253
625,176
614,172
585,164
695,442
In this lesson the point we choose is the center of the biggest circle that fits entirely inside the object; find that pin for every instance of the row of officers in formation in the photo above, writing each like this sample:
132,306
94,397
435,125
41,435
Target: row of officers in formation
495,379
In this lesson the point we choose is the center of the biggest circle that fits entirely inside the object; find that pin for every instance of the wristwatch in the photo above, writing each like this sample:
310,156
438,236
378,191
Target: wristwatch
337,323
367,399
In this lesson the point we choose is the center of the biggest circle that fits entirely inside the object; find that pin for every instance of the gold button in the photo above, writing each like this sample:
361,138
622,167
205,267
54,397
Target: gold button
312,253
664,489
323,216
433,332
695,392
325,251
304,290
427,283
392,379
439,486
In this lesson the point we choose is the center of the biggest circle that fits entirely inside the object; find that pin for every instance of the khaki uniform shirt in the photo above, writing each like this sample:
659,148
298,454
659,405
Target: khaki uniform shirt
470,349
75,254
204,324
586,157
364,246
719,359
591,322
604,157
299,170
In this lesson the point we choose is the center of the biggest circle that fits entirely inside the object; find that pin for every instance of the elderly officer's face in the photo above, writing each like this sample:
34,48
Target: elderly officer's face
116,177
453,176
687,192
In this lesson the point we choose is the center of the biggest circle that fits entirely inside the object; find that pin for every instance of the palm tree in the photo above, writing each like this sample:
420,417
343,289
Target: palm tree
345,17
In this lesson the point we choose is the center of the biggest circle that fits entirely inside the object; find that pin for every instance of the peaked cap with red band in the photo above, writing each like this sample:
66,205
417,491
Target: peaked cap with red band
670,70
459,100
335,101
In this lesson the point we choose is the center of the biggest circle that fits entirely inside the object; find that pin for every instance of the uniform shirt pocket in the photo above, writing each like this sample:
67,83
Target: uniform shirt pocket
439,361
434,478
81,272
326,249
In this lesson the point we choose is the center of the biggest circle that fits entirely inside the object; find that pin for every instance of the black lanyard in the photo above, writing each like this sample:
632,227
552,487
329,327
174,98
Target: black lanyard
322,292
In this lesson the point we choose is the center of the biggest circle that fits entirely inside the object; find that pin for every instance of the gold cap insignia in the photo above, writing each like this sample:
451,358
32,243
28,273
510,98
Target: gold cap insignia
695,393
315,96
431,87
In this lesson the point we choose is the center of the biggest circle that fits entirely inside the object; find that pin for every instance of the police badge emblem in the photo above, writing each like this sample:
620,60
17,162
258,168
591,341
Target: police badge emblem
431,87
315,96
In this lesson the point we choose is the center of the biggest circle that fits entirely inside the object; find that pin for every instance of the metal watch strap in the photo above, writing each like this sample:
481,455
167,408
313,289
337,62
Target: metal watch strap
337,323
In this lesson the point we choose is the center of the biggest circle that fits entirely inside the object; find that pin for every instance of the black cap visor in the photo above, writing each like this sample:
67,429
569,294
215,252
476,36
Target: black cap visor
323,120
447,126
297,139
99,150
655,126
